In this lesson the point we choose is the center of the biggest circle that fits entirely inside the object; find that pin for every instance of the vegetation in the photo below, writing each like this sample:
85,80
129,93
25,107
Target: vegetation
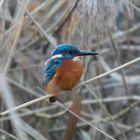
109,88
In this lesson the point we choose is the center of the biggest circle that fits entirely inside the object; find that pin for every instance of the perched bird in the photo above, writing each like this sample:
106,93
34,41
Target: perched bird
63,70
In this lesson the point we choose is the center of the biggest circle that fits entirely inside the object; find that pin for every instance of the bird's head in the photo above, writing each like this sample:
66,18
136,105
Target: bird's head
63,51
70,51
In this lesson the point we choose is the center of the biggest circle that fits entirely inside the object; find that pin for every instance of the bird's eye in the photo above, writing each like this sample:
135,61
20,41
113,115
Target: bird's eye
68,54
56,62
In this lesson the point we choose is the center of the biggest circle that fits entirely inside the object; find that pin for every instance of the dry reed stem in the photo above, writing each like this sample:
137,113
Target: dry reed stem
31,131
109,72
9,102
129,129
107,112
50,30
85,102
87,122
134,6
108,119
27,104
117,35
81,84
8,134
48,37
23,87
13,46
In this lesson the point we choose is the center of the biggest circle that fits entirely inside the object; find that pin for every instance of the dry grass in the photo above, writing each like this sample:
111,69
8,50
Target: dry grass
109,88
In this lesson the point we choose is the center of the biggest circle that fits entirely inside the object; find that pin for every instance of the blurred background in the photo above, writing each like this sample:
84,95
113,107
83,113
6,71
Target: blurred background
31,29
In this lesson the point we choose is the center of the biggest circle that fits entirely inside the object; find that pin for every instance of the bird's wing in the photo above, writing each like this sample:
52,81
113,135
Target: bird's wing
49,69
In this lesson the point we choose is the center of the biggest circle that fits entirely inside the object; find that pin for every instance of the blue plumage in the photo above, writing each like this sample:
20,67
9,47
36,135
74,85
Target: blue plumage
54,62
68,72
50,67
62,51
66,48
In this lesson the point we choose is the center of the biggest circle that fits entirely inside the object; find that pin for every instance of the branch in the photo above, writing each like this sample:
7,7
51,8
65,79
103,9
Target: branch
8,134
81,84
109,72
48,37
134,6
87,122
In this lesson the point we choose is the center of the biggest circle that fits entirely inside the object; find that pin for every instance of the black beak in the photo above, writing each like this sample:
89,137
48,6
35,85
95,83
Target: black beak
83,53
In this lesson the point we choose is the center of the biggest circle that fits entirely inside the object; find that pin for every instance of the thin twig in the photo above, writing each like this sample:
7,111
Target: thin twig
128,130
105,100
27,104
126,127
8,134
106,111
13,47
31,131
22,87
117,52
134,6
48,37
87,122
117,35
9,102
48,116
109,72
81,84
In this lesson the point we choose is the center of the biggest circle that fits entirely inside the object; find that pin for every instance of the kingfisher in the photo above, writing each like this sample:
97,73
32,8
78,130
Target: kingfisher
63,70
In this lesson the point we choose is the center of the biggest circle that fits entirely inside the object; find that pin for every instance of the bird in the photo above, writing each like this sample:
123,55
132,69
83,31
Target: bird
63,70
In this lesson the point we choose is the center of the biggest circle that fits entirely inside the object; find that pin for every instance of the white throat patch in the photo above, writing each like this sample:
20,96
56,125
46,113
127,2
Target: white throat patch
76,58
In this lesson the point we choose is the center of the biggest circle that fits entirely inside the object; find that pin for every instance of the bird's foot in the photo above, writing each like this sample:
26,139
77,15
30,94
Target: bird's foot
52,99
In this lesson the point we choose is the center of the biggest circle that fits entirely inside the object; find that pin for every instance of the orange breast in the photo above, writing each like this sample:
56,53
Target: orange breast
66,77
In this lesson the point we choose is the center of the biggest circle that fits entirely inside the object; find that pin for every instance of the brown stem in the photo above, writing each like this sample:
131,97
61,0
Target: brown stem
72,121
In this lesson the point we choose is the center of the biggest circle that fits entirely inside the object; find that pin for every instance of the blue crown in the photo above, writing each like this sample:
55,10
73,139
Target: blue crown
65,48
